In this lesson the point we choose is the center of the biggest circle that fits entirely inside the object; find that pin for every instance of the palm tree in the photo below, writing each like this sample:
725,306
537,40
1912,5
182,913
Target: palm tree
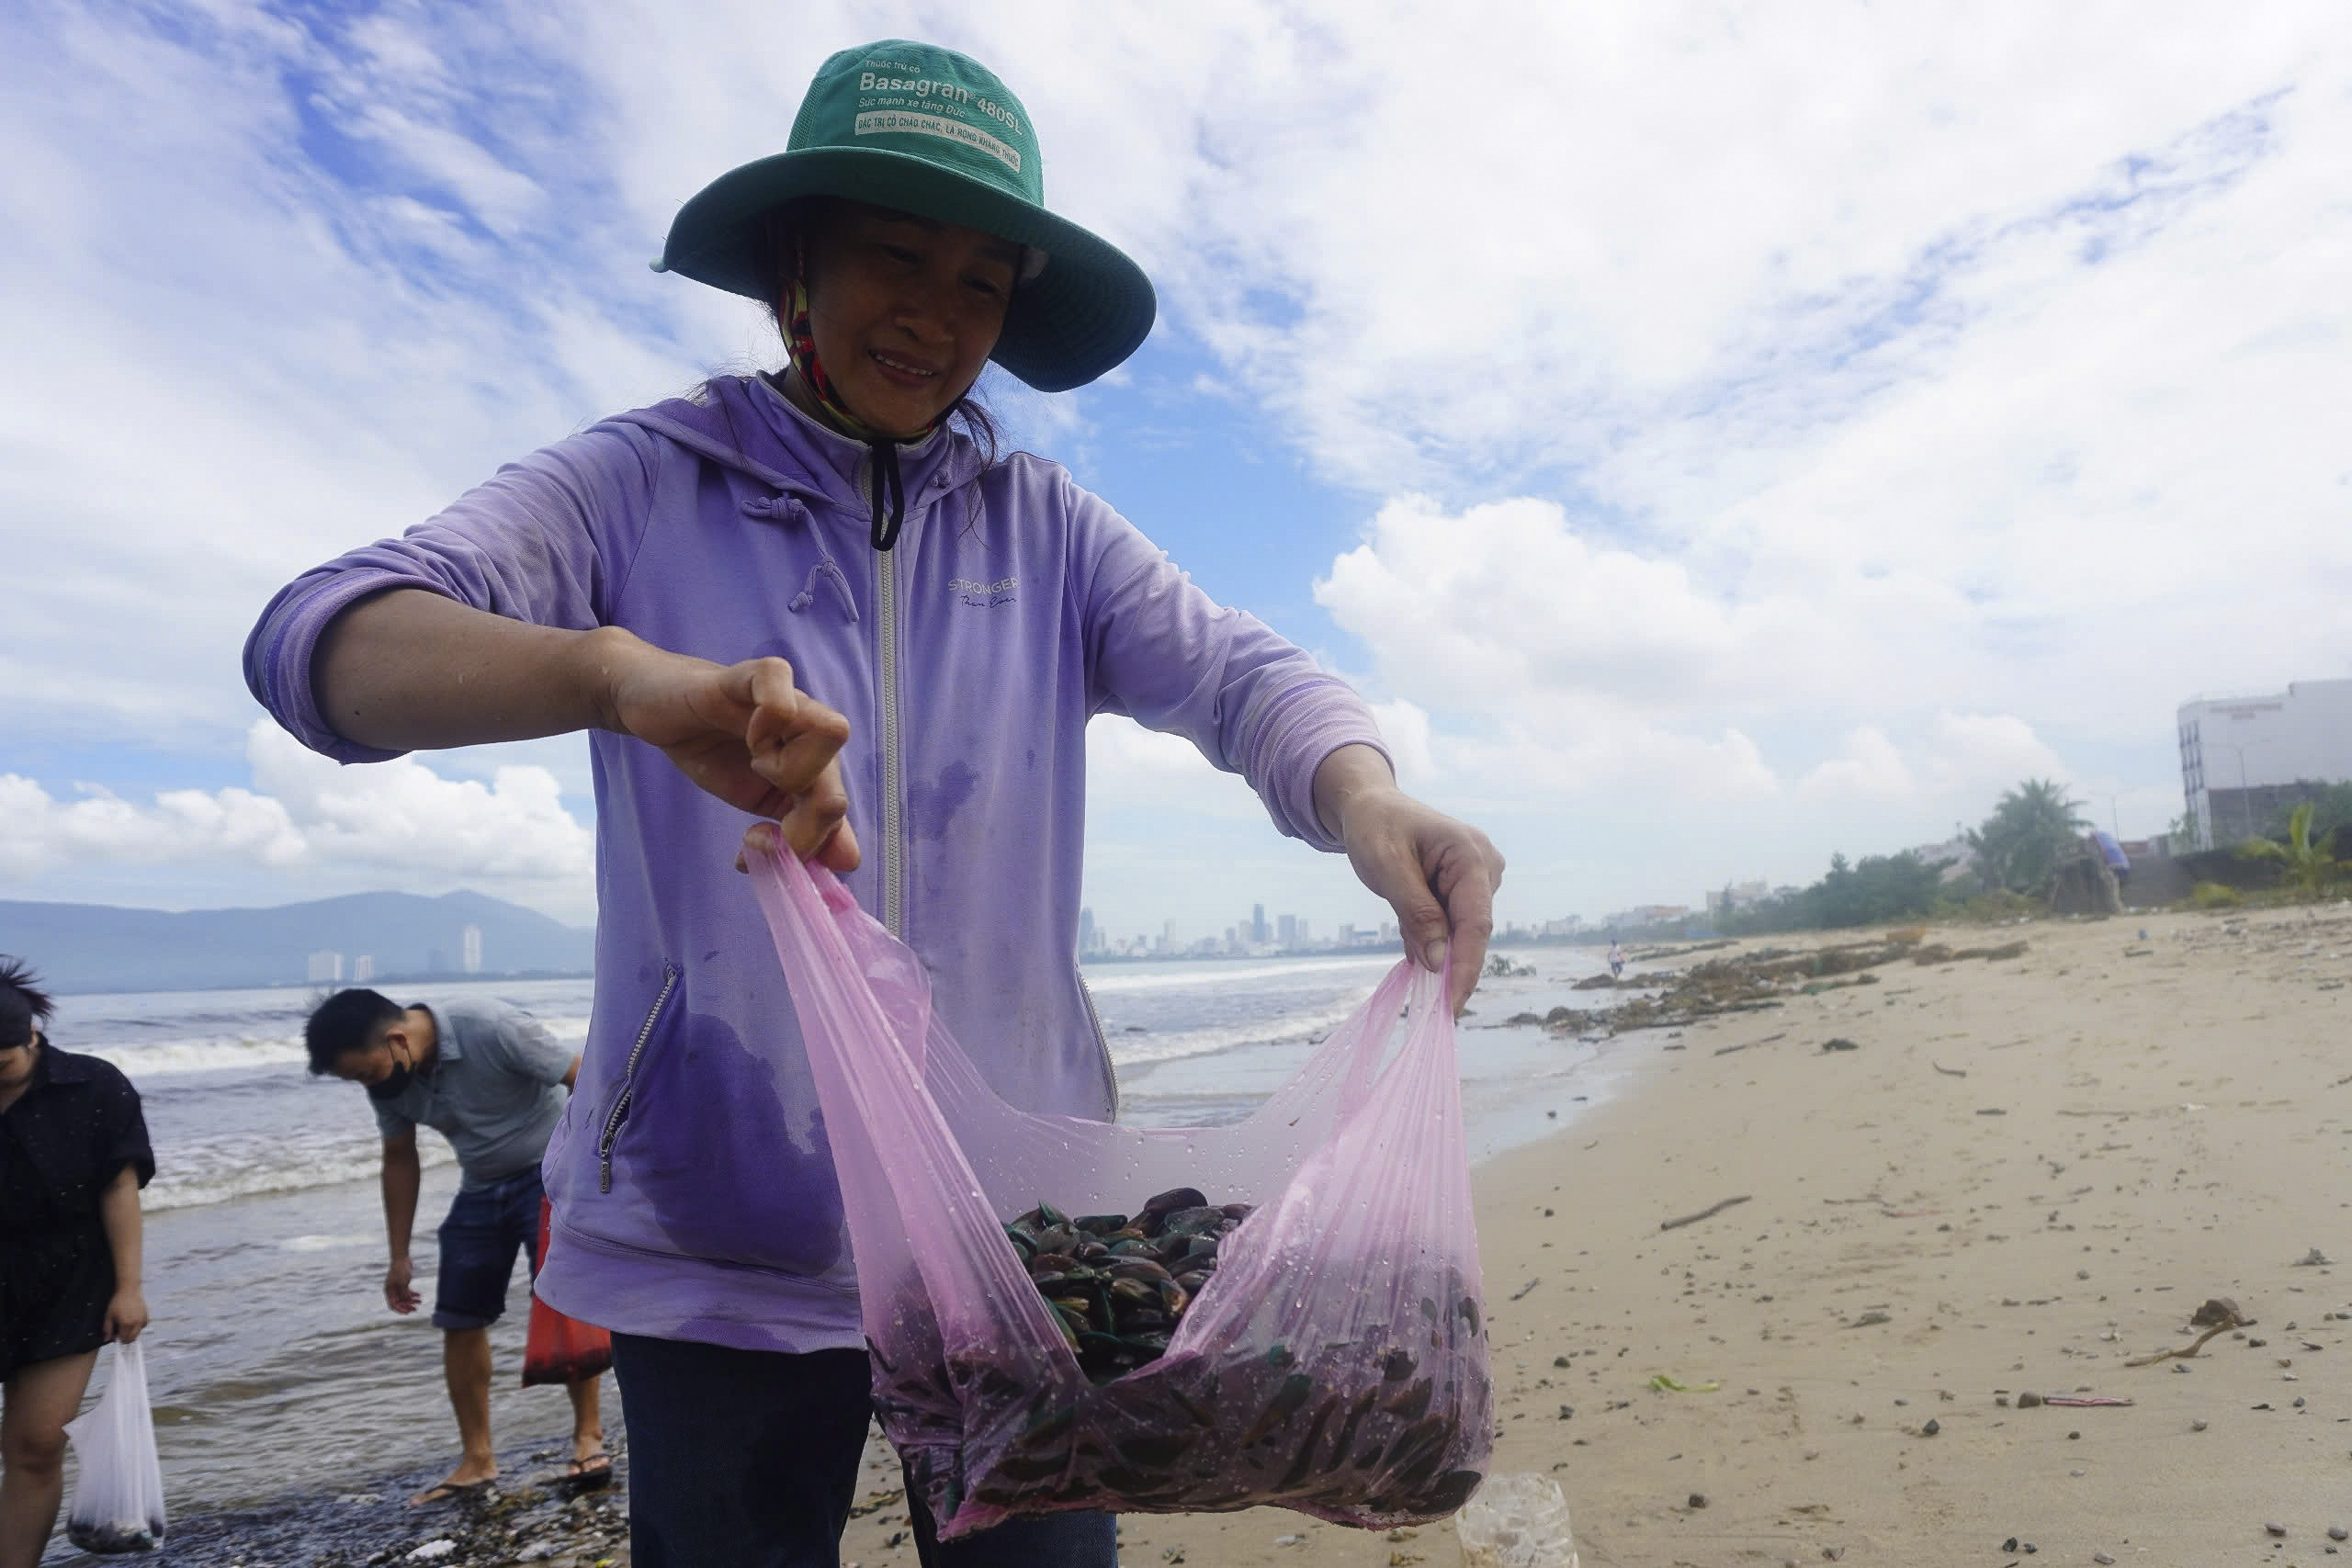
2029,834
2309,866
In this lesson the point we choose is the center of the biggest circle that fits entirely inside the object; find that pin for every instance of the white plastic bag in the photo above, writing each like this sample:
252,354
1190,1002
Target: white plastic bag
118,1502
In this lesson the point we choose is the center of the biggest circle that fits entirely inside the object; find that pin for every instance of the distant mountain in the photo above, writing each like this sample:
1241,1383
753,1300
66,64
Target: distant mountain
98,947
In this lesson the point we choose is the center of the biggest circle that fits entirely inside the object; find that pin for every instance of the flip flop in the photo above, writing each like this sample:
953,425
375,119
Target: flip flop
590,1470
449,1491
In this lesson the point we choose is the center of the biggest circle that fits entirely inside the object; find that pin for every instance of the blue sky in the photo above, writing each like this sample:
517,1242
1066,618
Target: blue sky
1710,441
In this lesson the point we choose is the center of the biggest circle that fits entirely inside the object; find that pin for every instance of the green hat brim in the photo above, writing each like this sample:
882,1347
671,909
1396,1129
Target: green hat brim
1090,309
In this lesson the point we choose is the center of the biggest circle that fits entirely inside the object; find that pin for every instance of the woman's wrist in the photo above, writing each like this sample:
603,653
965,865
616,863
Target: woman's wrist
1344,781
603,658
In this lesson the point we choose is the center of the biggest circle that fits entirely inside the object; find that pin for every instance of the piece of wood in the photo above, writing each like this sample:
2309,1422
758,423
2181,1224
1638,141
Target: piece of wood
1705,1213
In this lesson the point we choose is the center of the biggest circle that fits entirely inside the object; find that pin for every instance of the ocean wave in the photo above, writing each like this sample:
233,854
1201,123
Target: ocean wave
1224,973
196,1181
1152,1049
169,1057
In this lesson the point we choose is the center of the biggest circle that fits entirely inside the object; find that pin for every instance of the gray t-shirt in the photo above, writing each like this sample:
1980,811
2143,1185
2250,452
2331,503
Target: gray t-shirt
495,1093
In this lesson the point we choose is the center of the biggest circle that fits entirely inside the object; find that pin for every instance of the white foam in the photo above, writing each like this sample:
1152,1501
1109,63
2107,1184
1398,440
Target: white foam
171,1057
326,1243
1226,974
199,1187
1144,1050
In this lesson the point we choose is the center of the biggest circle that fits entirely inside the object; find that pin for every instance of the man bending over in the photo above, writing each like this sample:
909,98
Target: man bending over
492,1081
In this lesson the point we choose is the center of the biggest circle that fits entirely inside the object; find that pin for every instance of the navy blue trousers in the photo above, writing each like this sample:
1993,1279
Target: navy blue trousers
748,1459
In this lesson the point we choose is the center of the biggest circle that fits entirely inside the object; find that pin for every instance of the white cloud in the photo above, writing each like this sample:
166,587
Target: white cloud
1748,397
398,822
1129,768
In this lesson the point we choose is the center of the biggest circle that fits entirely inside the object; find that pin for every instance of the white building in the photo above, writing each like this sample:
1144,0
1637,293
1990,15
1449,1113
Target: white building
326,968
472,937
363,969
2243,757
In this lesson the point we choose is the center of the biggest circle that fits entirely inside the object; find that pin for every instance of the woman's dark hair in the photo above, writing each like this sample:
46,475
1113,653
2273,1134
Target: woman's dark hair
22,1001
794,219
348,1021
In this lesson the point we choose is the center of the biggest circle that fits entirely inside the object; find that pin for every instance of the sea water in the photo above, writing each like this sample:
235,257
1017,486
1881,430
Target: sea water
275,1365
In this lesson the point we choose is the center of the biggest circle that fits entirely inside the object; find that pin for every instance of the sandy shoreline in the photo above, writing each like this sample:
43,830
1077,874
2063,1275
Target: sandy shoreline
2143,1123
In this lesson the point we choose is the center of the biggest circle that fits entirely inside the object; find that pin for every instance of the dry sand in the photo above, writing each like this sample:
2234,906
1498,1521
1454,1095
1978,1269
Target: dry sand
2142,1125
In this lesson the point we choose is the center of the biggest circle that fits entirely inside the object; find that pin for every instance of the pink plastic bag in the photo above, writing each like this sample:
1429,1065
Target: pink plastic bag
1336,1362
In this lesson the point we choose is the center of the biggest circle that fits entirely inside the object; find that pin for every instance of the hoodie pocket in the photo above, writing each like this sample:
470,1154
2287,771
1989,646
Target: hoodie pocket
619,1113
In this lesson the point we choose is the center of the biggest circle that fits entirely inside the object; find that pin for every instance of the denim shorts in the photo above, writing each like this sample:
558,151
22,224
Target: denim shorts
487,1226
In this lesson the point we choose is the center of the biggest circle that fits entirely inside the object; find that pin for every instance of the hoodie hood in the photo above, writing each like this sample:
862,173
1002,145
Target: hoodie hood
744,423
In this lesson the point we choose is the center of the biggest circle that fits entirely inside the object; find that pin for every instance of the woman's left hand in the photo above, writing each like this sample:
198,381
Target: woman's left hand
126,1315
1438,874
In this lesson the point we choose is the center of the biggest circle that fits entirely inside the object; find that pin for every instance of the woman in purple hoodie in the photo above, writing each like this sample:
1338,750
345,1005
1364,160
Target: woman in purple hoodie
820,601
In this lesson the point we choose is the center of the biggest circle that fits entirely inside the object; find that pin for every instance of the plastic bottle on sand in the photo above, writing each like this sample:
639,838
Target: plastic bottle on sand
1516,1521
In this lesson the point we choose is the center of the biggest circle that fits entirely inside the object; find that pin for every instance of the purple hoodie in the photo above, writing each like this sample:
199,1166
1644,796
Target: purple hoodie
693,1185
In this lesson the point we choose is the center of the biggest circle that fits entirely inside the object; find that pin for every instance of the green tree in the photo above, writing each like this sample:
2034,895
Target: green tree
2309,865
2331,808
2032,830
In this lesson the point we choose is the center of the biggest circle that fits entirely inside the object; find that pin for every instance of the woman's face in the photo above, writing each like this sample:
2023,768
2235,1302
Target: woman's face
905,310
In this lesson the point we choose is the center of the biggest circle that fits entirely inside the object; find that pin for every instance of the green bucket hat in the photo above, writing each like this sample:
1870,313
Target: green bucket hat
930,131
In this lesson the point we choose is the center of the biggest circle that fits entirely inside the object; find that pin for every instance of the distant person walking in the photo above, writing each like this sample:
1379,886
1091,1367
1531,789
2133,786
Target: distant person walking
494,1082
1616,959
73,1155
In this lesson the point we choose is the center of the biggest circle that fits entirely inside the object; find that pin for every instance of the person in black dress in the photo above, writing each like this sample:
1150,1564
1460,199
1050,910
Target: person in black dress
73,1155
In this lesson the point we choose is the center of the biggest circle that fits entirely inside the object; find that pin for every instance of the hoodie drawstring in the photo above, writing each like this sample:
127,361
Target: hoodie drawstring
827,569
783,509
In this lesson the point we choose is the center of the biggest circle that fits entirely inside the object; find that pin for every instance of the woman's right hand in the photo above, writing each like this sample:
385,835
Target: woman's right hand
745,733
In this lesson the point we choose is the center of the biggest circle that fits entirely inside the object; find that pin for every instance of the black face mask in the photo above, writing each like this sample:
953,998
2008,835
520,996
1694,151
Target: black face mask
401,1076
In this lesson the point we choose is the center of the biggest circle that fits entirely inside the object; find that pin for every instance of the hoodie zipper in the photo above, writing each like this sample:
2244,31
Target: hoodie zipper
629,1080
886,600
1102,1040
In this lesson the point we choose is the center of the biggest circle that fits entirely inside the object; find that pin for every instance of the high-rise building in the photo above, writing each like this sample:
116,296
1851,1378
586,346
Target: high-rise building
326,968
363,969
1286,930
1258,931
472,937
1089,939
2243,758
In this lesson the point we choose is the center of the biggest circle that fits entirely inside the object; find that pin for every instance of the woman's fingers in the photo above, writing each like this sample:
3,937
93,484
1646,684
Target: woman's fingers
1437,874
1467,884
792,737
809,836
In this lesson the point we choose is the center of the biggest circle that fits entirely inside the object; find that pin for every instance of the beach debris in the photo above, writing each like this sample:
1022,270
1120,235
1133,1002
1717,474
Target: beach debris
1870,1320
2218,1316
1840,1043
2029,1400
1993,1111
1697,1499
1531,1284
1950,1072
1930,1426
1709,1211
2084,1401
433,1550
2275,1528
2198,1426
2338,1532
2314,1259
1662,1383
